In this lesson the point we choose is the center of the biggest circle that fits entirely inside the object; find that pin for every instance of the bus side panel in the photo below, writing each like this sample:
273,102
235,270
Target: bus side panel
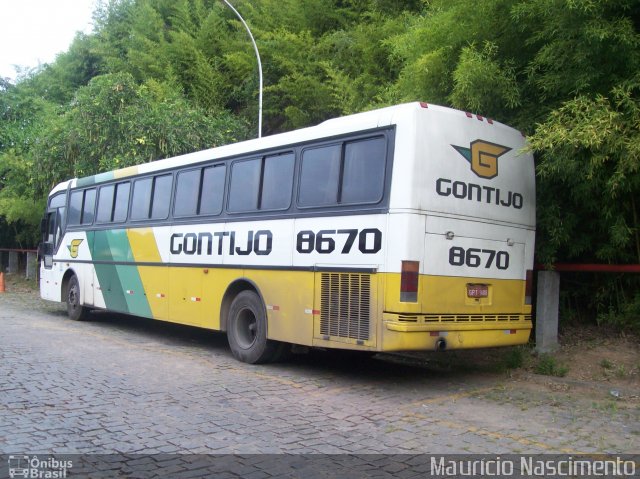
288,297
50,287
86,275
73,252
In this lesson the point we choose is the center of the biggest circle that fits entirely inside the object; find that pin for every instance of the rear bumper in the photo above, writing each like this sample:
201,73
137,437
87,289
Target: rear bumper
423,332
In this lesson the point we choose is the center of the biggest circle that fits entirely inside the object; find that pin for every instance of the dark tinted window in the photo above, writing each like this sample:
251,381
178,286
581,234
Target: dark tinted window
141,199
89,206
161,196
58,200
363,175
277,182
122,202
75,207
105,203
245,185
212,190
187,193
319,176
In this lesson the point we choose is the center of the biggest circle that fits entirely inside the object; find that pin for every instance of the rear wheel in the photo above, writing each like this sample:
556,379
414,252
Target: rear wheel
75,310
247,330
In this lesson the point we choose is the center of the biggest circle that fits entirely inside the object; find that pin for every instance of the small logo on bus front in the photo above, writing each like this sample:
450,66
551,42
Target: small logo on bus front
483,157
74,246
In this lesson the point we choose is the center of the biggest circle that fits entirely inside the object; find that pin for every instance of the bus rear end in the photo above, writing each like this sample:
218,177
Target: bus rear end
461,234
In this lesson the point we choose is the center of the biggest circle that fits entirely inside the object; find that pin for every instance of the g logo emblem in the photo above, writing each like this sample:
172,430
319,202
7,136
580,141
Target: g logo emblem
74,246
483,157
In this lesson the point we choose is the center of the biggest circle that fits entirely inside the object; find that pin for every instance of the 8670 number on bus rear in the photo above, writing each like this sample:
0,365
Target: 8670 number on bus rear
478,258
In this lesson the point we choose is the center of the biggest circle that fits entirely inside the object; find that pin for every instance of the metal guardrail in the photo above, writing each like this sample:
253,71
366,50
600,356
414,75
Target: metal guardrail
590,268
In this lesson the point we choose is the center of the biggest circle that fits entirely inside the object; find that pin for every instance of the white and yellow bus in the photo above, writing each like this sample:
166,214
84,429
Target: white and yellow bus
405,228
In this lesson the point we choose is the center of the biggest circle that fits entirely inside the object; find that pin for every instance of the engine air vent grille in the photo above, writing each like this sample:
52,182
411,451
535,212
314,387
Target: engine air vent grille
345,305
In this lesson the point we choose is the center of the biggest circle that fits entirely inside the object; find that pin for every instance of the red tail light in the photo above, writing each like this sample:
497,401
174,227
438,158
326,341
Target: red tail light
528,287
409,281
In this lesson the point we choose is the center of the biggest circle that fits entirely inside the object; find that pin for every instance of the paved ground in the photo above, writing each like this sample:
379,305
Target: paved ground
124,385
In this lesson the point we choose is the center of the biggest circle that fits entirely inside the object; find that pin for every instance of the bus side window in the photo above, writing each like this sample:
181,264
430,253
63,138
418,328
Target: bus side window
277,182
162,186
245,185
141,199
212,195
57,237
319,176
364,168
88,206
75,207
187,193
105,203
121,204
113,201
82,207
151,198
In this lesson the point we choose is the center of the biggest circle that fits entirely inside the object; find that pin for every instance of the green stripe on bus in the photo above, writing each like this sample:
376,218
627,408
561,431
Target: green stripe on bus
134,294
107,274
121,285
92,180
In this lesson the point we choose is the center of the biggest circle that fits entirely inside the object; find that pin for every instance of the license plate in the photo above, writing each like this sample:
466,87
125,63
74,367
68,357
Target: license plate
477,290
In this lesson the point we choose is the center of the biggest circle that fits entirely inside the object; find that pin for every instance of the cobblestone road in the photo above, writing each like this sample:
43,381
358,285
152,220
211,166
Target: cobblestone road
124,385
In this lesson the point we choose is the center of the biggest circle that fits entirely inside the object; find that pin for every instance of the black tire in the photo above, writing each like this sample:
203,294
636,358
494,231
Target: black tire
75,310
247,330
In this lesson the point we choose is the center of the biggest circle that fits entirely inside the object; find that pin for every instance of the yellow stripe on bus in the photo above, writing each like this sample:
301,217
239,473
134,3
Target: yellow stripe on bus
124,172
155,279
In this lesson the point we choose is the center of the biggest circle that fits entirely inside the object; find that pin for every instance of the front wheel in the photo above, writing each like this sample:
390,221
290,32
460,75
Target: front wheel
75,310
247,330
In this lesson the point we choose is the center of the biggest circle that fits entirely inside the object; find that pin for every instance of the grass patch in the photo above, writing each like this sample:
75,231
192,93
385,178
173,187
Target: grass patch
548,366
18,283
514,358
606,364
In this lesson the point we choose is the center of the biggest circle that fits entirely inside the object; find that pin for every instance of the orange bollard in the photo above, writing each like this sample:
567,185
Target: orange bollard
2,288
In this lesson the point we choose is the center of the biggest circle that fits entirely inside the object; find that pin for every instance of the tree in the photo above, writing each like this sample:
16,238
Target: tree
115,123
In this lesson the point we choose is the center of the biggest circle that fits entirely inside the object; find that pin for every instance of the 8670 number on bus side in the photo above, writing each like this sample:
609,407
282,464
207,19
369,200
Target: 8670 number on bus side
477,258
369,241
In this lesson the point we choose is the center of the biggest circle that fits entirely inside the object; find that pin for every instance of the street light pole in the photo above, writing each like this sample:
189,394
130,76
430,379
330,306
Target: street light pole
255,47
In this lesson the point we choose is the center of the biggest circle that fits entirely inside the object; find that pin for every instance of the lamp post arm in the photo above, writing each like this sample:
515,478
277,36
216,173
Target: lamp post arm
255,47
